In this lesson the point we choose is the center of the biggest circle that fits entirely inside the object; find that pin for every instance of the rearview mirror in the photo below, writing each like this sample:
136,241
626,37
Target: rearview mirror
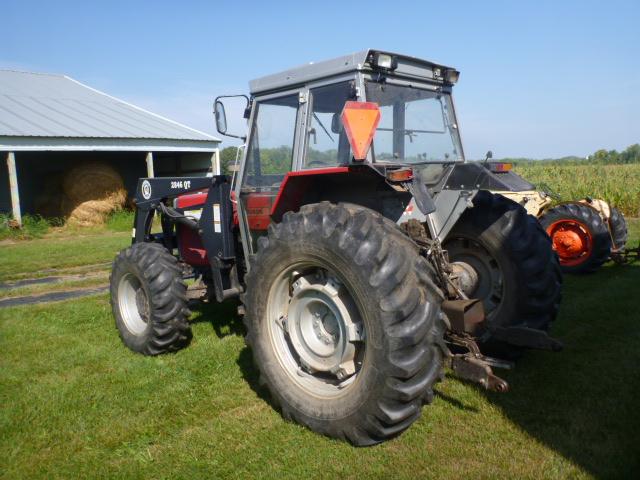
221,117
236,103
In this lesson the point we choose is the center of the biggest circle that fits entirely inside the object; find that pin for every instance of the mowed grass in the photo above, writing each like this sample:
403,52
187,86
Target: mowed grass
38,257
77,404
617,184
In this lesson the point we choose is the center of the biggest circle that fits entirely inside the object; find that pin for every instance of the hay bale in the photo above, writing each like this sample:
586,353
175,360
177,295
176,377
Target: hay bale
94,212
91,181
91,192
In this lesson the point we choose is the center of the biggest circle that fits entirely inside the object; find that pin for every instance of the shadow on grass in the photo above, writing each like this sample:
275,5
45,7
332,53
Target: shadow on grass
225,321
223,317
583,402
252,376
454,402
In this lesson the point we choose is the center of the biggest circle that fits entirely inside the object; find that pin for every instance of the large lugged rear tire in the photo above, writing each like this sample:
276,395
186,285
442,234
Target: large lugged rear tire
344,322
618,227
518,275
579,236
148,299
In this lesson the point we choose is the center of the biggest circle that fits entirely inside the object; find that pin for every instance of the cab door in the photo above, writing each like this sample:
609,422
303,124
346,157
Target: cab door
271,152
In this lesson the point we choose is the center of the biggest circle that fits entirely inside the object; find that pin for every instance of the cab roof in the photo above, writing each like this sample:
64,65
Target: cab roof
408,67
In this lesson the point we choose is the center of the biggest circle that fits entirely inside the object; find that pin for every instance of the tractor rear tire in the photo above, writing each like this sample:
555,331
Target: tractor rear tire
343,318
518,275
618,228
148,299
579,236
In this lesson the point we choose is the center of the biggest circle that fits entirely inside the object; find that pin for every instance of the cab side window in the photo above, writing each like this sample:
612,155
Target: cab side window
270,152
327,142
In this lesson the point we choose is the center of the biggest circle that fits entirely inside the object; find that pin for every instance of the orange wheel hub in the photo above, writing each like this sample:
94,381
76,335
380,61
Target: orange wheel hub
571,240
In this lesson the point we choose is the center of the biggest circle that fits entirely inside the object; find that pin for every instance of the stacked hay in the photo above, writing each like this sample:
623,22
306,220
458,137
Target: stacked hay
91,192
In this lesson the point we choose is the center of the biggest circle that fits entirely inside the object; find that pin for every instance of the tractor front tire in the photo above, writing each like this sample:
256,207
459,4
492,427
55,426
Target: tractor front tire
344,322
579,236
517,275
148,299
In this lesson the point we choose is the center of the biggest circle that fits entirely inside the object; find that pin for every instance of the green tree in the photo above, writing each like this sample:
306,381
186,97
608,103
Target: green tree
227,158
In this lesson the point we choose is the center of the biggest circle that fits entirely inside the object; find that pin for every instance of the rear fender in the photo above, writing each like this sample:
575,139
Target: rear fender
360,185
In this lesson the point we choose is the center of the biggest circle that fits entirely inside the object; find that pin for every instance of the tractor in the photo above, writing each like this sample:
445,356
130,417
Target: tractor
362,252
584,233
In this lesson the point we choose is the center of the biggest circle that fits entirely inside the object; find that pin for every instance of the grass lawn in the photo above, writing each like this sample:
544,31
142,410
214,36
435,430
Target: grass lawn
77,403
35,258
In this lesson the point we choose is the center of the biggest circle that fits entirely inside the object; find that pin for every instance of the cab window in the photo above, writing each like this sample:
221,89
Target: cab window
327,142
270,152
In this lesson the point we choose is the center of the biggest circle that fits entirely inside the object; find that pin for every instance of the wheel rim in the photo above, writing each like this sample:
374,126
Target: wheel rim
133,304
315,330
571,240
487,281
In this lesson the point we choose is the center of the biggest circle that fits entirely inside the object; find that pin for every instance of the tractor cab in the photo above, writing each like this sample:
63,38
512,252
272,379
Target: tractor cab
297,129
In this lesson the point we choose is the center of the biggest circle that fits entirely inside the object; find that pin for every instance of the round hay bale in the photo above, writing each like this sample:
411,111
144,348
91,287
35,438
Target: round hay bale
91,181
93,212
92,191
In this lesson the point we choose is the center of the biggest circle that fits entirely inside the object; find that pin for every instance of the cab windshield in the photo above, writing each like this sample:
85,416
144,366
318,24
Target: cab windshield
416,125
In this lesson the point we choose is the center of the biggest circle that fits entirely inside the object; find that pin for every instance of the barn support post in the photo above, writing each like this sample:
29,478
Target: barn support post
215,161
13,185
150,164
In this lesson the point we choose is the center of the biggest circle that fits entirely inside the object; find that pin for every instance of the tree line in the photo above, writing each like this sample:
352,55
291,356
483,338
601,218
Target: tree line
279,158
631,154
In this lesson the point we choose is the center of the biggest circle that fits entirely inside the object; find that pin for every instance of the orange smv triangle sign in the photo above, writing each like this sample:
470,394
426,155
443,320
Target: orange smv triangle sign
360,120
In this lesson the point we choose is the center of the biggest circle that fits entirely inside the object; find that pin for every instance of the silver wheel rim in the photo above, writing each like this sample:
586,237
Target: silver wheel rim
489,284
133,304
315,330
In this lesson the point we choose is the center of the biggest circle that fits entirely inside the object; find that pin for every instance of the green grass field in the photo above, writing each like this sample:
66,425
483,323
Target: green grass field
76,403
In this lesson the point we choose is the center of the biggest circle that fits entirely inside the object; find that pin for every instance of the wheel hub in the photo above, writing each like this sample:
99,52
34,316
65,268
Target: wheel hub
467,277
320,325
479,274
133,304
571,240
316,330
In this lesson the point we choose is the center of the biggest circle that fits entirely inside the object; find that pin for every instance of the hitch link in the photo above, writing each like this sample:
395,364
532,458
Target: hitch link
464,316
479,371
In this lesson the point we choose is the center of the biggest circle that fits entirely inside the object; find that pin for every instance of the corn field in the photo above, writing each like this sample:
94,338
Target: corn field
617,184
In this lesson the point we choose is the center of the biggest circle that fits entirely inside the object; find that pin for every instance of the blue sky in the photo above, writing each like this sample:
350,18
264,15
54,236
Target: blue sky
539,79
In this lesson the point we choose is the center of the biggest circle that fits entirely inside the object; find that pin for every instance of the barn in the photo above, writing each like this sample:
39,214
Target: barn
52,125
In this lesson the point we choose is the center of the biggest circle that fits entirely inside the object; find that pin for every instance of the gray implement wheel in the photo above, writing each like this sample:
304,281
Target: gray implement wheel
517,274
148,299
344,322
